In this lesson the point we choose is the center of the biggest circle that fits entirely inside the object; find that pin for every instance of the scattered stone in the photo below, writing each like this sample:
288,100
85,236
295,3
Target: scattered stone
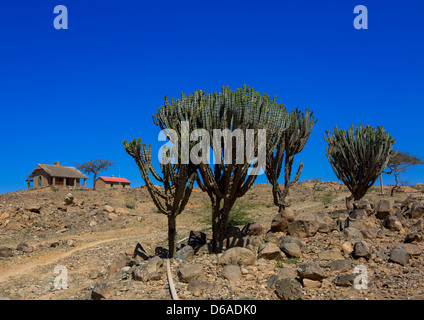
69,199
305,225
311,284
353,233
190,272
94,274
332,254
282,220
412,249
416,211
291,249
384,209
108,208
342,265
185,253
358,219
414,237
231,273
254,229
345,280
237,256
347,247
199,287
363,204
392,223
102,290
112,216
288,289
360,249
6,253
270,251
311,270
34,208
399,255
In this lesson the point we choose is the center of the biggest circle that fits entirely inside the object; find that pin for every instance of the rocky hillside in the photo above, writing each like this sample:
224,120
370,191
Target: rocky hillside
315,249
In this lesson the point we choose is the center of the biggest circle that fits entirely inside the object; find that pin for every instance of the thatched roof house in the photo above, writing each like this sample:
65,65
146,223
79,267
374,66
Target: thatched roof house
45,175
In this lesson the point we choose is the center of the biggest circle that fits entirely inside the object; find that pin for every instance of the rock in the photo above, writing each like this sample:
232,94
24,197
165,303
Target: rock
152,270
237,256
363,204
34,208
358,219
369,233
353,233
270,251
190,272
23,247
102,290
341,265
271,237
284,273
117,264
282,220
416,211
69,199
108,208
311,270
399,255
54,244
304,226
345,280
384,209
291,249
6,252
255,241
347,247
185,253
93,223
231,273
254,229
94,274
112,216
414,237
199,287
412,249
392,223
288,289
360,249
311,284
332,254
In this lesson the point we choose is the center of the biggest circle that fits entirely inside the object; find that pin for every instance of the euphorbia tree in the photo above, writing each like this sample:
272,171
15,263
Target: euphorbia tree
358,156
234,119
294,131
177,180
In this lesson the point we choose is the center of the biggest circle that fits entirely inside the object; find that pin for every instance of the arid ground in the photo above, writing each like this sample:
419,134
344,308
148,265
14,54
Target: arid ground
94,234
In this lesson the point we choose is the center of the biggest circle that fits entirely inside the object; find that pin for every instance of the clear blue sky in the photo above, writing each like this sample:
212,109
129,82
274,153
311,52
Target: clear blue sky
74,95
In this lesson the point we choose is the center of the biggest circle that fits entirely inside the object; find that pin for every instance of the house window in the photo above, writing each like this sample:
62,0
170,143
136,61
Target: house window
39,180
123,186
111,184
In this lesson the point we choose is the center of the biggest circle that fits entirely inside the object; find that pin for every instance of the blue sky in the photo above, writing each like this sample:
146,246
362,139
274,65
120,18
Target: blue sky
74,95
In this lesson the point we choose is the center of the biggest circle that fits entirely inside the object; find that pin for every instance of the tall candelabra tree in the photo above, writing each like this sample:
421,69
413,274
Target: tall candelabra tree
229,117
177,180
358,156
294,132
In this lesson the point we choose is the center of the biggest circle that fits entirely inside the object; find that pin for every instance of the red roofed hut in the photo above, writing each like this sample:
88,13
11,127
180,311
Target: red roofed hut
112,183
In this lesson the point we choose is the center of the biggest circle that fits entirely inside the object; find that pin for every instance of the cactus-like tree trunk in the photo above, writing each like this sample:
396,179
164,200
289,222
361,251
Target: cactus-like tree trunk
177,180
293,133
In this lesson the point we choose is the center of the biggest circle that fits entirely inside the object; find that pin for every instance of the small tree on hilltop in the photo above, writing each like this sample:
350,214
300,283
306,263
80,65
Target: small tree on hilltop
358,157
95,166
399,163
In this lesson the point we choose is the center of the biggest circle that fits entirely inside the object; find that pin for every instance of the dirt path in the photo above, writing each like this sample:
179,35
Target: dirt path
46,258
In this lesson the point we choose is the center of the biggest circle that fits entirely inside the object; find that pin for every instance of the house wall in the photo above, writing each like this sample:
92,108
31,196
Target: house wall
100,184
45,178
